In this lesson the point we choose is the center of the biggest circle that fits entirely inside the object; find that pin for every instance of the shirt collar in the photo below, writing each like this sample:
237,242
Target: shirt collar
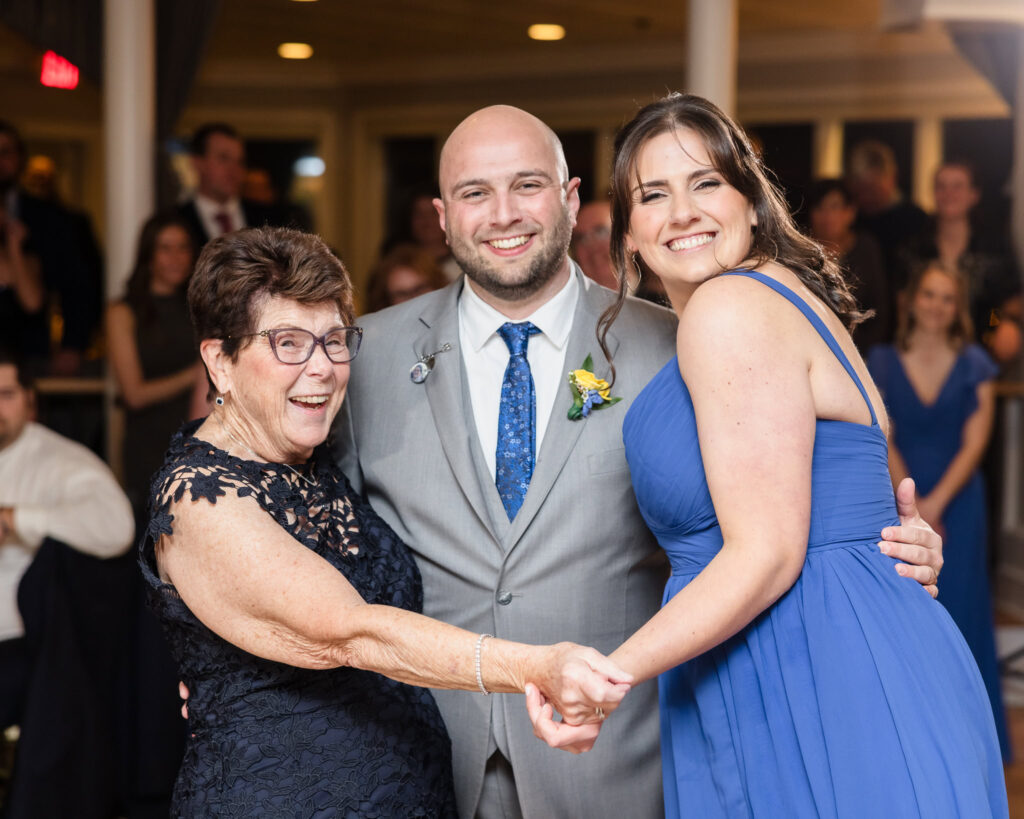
209,207
554,318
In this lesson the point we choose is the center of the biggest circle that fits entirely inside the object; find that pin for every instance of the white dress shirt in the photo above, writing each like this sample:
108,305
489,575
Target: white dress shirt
208,210
486,356
58,489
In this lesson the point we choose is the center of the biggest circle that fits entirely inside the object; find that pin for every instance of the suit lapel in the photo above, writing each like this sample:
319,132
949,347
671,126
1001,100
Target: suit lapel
561,435
449,404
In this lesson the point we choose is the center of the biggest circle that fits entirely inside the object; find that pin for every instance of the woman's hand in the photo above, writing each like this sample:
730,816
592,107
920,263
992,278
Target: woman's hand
576,739
580,683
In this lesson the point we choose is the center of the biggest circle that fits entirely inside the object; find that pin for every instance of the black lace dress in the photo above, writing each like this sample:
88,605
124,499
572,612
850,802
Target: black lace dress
270,739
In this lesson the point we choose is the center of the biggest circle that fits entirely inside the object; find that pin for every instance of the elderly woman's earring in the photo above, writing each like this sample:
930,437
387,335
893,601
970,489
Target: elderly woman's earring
219,400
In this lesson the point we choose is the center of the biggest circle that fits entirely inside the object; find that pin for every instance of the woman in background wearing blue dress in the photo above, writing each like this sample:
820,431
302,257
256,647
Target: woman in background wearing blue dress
938,388
800,675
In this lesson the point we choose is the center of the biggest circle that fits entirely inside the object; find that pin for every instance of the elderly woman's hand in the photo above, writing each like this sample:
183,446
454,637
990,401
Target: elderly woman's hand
581,684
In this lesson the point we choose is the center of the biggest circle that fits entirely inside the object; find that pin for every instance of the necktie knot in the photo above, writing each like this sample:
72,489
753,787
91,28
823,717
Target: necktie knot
516,335
224,221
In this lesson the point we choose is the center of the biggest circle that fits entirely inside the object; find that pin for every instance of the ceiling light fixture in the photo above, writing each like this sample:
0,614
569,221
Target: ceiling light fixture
546,31
295,51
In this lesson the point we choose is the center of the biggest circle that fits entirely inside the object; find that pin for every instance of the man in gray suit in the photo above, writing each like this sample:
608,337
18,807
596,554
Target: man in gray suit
575,561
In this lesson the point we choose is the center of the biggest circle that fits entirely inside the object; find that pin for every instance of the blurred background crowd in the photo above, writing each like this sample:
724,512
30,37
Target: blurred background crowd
894,136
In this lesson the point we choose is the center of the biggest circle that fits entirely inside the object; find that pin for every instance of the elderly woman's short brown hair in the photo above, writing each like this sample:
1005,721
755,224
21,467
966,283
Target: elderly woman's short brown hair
238,272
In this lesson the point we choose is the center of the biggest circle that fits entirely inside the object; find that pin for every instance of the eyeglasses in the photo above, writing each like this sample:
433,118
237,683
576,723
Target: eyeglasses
292,345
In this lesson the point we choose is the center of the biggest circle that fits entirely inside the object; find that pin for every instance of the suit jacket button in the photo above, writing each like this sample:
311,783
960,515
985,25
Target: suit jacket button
504,597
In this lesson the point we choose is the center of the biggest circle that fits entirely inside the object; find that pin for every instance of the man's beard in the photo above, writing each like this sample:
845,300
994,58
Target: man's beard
538,273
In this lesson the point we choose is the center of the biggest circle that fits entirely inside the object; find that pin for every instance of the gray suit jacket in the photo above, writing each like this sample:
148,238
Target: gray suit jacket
577,563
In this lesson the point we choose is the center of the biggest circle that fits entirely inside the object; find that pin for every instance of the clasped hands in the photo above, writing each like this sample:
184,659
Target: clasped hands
581,685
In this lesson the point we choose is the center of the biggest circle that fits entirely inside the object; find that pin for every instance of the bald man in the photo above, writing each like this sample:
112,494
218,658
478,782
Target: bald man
419,434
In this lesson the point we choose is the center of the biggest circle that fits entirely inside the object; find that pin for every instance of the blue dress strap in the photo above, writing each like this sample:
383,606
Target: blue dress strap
818,325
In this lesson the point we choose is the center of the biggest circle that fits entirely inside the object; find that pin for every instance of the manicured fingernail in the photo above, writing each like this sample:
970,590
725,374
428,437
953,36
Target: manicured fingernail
887,534
901,568
884,547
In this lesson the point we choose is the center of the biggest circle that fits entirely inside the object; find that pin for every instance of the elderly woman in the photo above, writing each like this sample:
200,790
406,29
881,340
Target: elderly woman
290,606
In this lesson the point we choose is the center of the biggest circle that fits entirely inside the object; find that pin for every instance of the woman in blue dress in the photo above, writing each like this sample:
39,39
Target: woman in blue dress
939,391
800,674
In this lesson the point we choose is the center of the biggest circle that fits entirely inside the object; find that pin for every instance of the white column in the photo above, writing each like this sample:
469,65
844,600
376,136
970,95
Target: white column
828,148
711,51
129,130
927,157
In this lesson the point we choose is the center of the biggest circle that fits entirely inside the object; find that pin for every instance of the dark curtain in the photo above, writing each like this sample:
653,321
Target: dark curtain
993,50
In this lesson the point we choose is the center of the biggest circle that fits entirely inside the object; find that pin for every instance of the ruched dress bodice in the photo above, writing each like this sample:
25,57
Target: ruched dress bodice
851,693
270,739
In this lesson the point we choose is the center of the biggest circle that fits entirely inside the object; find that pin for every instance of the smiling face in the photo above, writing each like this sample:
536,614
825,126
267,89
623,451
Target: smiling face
221,168
172,260
955,194
686,221
934,305
507,204
282,411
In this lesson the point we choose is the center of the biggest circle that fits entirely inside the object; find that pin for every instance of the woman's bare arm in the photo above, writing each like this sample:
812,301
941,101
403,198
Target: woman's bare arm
756,421
255,586
136,390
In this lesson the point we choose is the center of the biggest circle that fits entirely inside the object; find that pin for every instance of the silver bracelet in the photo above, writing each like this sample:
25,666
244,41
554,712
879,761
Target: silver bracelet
476,657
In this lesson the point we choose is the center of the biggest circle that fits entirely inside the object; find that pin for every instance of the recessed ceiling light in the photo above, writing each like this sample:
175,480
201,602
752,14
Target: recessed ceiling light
546,31
295,51
303,1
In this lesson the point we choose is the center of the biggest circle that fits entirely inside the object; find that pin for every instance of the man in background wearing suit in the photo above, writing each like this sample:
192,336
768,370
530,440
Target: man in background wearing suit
538,549
218,157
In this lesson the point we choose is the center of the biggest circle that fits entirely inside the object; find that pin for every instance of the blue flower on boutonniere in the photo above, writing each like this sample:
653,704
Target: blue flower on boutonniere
588,391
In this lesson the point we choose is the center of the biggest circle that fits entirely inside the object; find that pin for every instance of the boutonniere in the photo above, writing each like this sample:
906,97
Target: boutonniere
588,391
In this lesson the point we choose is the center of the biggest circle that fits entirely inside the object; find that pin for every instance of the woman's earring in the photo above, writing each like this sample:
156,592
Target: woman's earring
219,400
639,272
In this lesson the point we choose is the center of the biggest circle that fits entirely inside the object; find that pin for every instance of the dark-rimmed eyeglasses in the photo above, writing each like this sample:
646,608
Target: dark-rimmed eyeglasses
293,345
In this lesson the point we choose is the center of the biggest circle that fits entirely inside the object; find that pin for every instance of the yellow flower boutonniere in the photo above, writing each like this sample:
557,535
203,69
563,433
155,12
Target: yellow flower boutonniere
588,391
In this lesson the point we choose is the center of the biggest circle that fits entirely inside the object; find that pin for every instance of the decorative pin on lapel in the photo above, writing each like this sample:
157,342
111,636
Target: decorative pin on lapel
421,369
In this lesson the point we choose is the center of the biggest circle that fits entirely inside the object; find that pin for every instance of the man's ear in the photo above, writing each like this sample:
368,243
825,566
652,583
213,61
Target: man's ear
439,207
218,364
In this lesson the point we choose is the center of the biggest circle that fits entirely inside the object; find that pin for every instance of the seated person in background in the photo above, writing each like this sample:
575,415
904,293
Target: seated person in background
405,272
832,212
49,487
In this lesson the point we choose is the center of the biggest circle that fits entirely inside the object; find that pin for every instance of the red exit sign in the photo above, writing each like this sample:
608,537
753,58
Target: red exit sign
58,72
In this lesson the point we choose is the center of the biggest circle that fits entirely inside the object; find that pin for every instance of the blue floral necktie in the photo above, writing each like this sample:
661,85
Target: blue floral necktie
517,420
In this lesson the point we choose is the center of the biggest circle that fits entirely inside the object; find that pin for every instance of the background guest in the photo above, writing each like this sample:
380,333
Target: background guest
832,212
418,226
591,248
71,278
216,208
56,668
22,319
939,392
405,272
152,353
882,209
955,238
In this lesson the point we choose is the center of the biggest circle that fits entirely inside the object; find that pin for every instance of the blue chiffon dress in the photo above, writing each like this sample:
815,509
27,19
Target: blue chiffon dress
929,436
854,695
